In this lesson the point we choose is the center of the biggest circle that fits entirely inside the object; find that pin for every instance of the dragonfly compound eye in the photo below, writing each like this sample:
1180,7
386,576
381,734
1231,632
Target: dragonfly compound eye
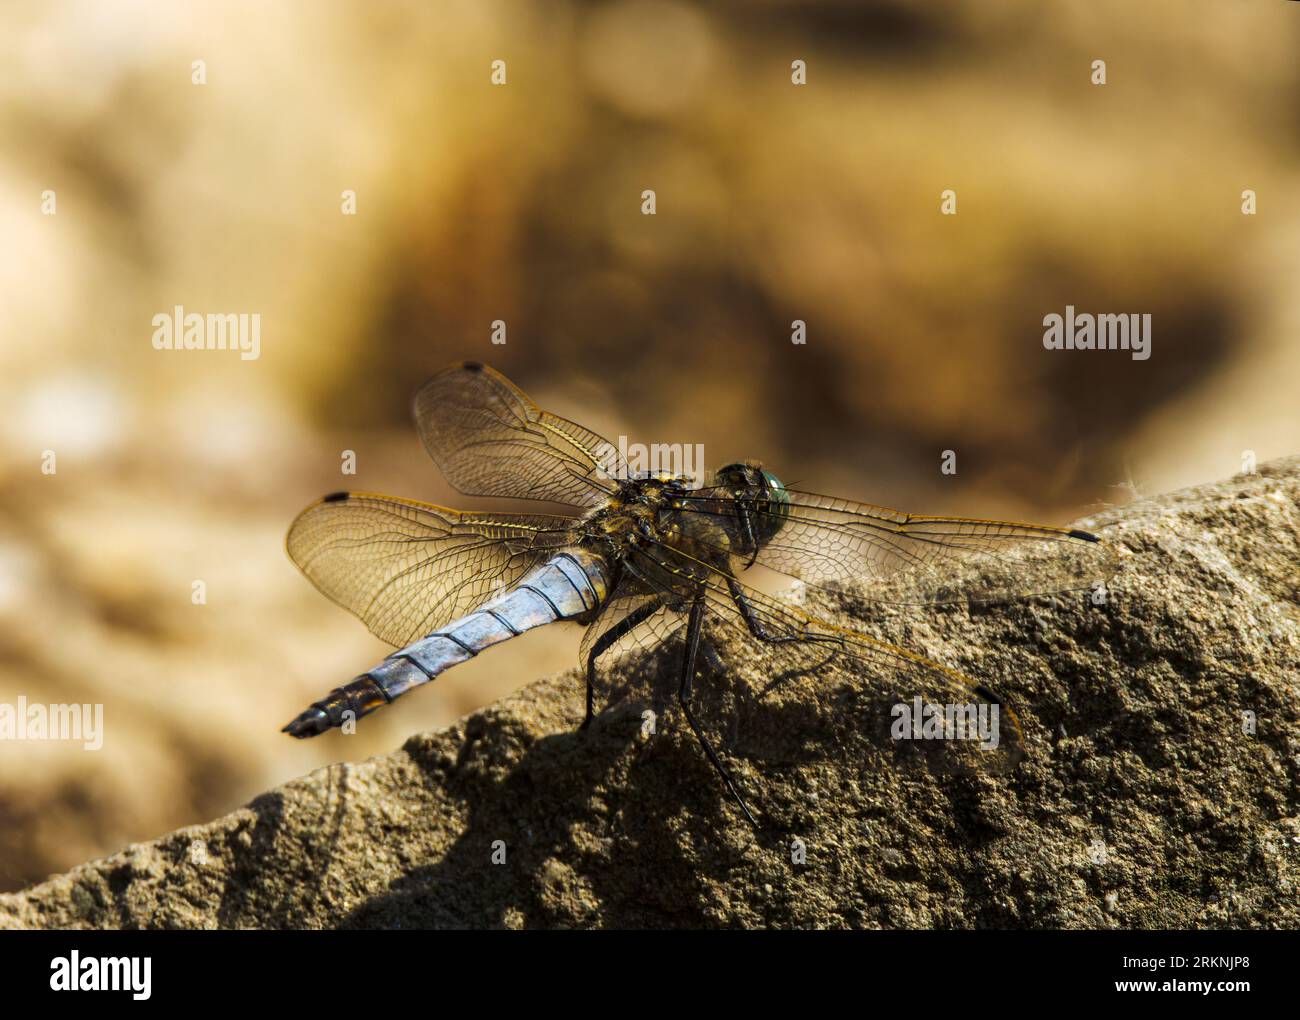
778,506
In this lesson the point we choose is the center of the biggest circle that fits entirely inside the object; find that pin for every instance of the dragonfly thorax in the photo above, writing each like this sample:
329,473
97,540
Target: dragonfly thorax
666,478
642,515
639,506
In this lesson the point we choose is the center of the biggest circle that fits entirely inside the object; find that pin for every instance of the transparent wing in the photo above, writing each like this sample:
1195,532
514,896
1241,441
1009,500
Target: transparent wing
635,619
406,568
627,604
892,696
904,558
489,439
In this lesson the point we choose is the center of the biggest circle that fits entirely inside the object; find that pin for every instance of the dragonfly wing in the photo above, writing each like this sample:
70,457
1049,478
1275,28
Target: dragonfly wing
489,439
888,692
904,558
634,619
407,568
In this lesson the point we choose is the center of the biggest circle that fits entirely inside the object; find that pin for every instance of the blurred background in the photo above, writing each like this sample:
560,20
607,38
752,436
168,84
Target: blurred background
522,202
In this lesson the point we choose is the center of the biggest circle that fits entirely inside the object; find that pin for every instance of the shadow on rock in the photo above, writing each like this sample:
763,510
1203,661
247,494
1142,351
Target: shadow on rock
603,827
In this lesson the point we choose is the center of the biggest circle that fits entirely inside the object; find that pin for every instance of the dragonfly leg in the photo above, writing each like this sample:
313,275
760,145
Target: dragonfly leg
753,623
693,630
630,622
759,631
747,525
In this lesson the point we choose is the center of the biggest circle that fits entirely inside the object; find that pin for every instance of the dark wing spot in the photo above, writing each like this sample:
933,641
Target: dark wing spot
335,497
1076,533
473,366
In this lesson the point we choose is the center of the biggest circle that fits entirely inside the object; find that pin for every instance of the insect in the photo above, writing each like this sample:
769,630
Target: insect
646,555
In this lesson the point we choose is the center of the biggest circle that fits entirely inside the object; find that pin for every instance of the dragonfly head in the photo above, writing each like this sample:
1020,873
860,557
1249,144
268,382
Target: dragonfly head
751,482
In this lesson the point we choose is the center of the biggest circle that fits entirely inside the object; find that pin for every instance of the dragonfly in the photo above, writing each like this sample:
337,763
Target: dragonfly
644,556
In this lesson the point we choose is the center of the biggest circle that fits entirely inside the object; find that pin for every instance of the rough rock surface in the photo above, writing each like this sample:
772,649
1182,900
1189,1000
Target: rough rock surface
1142,801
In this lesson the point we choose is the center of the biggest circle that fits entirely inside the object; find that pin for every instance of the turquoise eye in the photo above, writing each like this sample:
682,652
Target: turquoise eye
778,504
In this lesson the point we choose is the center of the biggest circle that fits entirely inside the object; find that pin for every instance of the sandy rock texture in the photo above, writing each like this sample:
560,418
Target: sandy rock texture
1159,787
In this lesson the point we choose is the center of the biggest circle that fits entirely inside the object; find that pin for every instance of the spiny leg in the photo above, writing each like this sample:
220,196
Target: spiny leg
747,527
630,622
752,622
756,628
693,629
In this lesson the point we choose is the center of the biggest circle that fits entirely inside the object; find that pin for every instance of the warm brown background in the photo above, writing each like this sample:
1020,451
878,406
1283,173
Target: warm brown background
522,203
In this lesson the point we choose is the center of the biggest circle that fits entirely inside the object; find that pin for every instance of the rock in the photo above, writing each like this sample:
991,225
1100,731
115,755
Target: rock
1159,787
